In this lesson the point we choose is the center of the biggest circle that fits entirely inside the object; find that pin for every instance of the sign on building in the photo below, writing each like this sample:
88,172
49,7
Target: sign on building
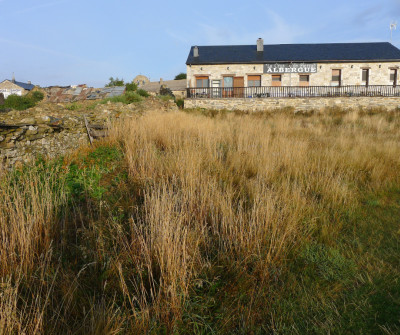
290,68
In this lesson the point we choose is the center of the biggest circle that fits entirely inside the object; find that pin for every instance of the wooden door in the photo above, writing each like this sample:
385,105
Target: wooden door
276,80
238,87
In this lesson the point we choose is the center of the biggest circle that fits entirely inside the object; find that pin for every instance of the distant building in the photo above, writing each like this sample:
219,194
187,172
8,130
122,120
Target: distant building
177,87
248,71
8,87
141,80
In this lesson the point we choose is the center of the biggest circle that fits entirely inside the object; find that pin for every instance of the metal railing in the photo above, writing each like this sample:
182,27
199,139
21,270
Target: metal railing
294,91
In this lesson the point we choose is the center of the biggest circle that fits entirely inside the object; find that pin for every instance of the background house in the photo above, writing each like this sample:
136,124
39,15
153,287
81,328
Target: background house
258,65
178,87
8,87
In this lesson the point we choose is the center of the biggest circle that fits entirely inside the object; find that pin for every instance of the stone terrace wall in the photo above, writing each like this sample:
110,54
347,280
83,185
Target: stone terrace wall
303,104
52,130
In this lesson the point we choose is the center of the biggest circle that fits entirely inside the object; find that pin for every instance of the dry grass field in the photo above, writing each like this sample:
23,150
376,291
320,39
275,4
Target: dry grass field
205,222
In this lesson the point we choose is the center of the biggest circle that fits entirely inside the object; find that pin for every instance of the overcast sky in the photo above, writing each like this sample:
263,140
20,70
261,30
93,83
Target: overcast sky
65,42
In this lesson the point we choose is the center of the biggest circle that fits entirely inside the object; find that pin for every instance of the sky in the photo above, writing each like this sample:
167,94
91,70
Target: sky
68,42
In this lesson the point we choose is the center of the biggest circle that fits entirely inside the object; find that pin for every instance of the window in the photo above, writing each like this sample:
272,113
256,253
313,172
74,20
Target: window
304,80
365,76
393,76
336,77
253,81
228,87
202,82
228,81
276,80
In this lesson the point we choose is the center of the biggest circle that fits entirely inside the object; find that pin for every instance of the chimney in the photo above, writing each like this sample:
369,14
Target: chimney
260,45
29,82
13,78
161,81
196,51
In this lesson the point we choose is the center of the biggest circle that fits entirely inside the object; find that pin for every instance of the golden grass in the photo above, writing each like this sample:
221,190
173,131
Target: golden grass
245,190
237,190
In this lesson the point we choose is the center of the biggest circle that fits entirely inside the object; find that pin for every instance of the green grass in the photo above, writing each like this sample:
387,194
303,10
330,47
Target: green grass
73,106
127,98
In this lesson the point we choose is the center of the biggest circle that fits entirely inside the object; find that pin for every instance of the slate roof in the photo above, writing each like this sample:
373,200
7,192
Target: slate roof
340,52
25,86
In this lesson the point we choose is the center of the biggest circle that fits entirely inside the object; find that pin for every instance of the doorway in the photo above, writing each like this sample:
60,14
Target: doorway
238,87
216,89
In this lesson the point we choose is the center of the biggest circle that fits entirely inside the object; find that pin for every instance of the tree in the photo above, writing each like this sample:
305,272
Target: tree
180,76
131,87
115,82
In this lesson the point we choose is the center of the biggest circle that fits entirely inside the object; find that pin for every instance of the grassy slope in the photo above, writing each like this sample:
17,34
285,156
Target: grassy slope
341,280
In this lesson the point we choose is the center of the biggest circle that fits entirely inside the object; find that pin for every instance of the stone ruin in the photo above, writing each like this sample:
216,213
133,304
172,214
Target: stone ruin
52,130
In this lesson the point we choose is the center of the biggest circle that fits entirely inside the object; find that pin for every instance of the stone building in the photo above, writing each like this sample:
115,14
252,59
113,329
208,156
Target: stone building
141,80
8,87
177,87
269,70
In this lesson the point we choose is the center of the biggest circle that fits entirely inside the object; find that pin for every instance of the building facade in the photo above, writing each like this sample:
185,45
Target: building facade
8,87
221,69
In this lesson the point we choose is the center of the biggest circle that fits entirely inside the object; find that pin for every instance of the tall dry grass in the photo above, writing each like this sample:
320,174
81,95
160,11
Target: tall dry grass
239,192
28,227
243,190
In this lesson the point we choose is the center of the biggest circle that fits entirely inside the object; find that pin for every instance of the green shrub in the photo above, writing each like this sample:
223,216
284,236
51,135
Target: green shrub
143,93
131,97
131,87
127,98
180,103
19,102
36,96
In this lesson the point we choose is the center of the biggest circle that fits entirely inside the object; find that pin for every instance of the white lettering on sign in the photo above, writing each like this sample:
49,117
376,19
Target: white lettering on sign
6,92
291,68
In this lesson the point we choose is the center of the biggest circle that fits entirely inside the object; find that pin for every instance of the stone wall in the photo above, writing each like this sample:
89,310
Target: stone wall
379,73
303,104
52,130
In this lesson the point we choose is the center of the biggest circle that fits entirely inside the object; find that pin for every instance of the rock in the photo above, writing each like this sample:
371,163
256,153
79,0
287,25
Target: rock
28,120
2,138
31,131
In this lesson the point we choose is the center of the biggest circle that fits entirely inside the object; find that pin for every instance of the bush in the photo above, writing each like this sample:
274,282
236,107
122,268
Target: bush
130,87
127,98
143,93
19,102
37,96
180,103
131,97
